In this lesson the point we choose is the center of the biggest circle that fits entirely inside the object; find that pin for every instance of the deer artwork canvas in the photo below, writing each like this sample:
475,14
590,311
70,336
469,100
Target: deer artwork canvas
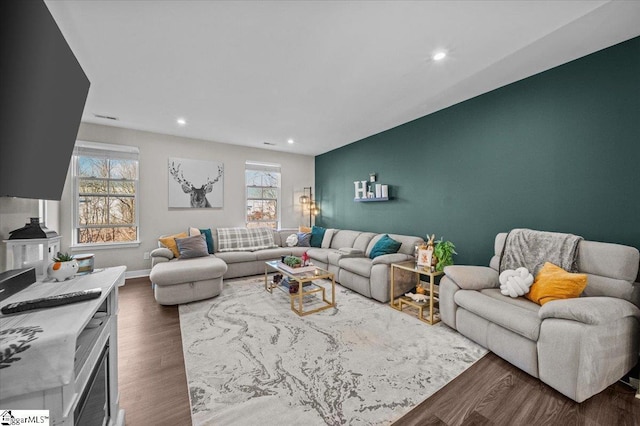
195,183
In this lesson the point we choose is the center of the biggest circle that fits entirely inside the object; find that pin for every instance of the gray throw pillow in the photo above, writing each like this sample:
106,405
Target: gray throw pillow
304,239
191,247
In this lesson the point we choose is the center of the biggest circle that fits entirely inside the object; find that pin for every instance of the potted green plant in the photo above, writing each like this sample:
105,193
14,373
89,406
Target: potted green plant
444,251
293,261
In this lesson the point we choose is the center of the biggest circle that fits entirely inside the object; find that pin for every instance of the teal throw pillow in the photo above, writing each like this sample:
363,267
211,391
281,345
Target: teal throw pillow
317,235
385,245
208,236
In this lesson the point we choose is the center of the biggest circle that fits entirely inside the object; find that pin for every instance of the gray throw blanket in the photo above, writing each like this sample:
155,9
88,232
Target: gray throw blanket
531,249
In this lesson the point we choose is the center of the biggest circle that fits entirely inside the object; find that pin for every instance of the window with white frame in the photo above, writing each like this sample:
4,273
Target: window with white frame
262,182
105,182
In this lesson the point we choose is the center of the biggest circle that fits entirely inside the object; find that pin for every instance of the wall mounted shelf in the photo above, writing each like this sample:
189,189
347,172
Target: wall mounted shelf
370,191
368,200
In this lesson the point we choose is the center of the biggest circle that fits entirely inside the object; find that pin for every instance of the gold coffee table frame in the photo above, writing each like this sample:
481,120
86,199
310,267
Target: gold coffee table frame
400,302
301,279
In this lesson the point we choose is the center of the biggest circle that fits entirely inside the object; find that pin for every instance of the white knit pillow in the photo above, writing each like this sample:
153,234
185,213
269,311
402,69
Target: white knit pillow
515,282
292,240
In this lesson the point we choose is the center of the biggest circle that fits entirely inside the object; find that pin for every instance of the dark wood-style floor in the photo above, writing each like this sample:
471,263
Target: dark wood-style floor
153,384
493,392
151,376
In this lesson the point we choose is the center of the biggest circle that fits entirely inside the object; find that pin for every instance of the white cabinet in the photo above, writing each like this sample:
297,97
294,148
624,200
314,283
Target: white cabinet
69,363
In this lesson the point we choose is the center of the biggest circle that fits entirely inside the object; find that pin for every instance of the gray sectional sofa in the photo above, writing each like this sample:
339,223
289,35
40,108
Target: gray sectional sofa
342,252
346,254
578,346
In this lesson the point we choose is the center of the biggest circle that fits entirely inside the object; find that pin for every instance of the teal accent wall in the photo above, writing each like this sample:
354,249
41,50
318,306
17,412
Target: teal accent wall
558,151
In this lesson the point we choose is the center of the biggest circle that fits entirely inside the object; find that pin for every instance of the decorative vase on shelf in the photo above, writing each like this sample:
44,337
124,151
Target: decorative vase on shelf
63,267
430,255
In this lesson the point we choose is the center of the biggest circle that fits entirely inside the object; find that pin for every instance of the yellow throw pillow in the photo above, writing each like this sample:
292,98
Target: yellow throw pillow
304,229
170,242
553,283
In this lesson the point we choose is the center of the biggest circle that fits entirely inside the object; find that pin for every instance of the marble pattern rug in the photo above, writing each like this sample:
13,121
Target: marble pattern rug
250,360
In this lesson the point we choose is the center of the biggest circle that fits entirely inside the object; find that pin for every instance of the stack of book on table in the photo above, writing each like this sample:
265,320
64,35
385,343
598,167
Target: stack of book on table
287,282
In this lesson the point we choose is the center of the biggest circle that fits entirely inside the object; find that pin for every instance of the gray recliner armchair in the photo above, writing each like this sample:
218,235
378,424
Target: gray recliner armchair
577,346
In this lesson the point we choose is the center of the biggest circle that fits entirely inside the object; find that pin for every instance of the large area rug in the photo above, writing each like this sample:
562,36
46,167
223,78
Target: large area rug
250,360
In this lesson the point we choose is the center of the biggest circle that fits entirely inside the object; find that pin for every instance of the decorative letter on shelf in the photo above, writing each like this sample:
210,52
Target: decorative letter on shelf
361,188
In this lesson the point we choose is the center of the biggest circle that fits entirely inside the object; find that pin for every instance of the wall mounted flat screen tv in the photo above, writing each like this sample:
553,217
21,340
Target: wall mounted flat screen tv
43,90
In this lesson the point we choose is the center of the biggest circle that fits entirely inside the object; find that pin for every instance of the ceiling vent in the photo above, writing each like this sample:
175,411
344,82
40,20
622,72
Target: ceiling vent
106,117
269,143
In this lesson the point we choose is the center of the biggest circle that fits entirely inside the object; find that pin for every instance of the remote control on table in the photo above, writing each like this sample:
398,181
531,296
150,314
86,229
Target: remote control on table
51,301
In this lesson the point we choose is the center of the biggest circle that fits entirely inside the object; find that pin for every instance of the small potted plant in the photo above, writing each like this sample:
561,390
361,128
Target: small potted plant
444,251
292,261
64,266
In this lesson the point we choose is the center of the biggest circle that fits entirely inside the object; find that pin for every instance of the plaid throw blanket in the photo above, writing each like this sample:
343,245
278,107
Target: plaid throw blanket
245,239
531,249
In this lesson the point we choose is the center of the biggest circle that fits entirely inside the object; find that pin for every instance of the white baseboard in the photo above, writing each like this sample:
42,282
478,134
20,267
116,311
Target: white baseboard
138,274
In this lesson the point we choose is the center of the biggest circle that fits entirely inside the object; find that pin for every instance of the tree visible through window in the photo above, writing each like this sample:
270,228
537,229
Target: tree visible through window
106,183
263,195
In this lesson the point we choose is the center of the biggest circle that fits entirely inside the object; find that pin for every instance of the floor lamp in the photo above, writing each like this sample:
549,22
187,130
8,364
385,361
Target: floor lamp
307,201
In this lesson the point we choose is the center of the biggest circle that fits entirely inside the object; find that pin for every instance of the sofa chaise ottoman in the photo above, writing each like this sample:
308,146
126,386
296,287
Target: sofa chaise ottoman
187,281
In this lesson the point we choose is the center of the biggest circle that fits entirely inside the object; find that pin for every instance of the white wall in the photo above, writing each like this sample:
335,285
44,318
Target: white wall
156,218
52,215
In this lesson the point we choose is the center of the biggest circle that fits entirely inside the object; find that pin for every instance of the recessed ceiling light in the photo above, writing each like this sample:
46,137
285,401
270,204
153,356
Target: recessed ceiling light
290,141
439,56
181,121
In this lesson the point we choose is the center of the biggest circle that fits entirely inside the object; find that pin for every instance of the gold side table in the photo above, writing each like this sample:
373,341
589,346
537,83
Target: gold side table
432,295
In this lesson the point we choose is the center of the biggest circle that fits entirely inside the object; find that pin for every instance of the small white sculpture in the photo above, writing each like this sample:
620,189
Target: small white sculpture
516,282
417,297
61,271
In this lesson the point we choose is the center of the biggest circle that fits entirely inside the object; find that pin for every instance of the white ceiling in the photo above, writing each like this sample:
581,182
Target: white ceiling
325,73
